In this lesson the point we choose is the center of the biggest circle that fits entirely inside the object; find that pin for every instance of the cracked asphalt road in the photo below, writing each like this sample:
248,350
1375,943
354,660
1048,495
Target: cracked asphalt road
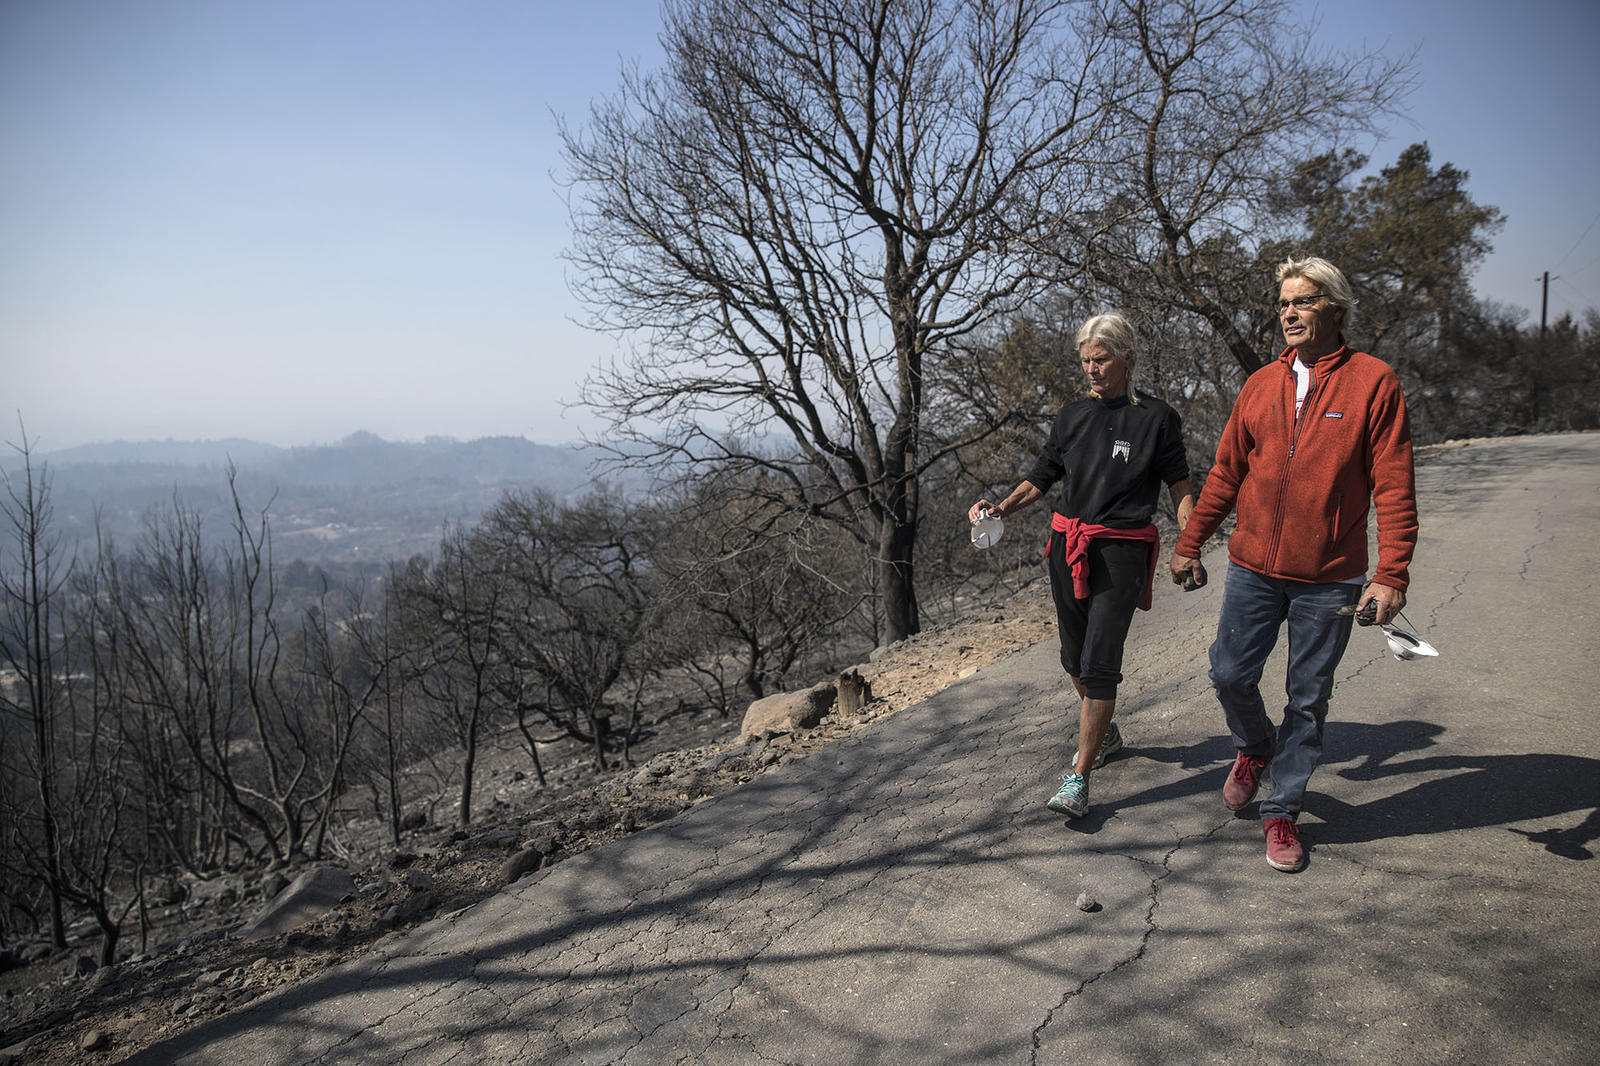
903,896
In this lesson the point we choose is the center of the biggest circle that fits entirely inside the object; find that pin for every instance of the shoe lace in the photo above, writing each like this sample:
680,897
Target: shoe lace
1248,768
1282,832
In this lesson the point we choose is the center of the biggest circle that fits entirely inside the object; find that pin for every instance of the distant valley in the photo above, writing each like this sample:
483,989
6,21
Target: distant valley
362,500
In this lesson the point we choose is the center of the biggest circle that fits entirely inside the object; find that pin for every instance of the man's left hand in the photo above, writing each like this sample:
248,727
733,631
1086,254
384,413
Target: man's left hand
1389,601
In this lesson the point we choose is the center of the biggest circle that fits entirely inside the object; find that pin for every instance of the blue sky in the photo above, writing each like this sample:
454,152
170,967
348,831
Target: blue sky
290,220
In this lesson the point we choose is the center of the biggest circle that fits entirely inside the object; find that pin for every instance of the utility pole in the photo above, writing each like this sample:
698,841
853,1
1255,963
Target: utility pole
1544,314
1544,308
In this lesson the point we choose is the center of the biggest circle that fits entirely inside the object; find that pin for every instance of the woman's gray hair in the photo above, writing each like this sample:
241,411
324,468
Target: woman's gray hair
1110,329
1325,276
1115,333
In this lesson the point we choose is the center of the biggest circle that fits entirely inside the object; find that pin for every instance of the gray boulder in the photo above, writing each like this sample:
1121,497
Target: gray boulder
409,909
789,711
521,865
272,883
311,895
213,890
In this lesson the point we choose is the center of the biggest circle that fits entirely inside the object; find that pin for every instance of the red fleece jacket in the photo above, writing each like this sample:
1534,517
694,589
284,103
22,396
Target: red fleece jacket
1303,487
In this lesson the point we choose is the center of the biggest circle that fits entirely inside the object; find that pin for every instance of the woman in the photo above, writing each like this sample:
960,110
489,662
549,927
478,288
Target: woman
1111,451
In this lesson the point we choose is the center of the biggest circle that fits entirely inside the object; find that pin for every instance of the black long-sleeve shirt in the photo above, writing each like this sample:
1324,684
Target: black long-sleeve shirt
1111,458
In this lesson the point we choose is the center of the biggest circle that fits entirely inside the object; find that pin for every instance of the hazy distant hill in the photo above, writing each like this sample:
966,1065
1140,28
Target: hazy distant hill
197,453
363,498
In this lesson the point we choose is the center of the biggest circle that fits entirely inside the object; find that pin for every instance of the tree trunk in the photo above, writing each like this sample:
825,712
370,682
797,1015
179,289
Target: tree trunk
33,591
897,548
52,852
897,541
111,933
467,764
532,742
392,767
599,728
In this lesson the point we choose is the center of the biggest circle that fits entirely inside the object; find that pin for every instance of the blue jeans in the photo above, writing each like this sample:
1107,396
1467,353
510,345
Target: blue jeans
1254,608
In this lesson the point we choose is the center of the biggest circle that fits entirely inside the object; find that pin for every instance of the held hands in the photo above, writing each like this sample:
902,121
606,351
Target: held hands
1187,572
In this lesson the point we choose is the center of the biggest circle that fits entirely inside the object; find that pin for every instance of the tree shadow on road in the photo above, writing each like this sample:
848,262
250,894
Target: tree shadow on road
1208,755
1460,792
1202,756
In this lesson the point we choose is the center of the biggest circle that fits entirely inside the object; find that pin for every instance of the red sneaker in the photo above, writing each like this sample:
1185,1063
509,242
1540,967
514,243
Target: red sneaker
1244,779
1284,850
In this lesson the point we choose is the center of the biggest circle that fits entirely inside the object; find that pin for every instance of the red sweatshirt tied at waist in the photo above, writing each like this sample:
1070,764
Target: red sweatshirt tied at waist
1076,536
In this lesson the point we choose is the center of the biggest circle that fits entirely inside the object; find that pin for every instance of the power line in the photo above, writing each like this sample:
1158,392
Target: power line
1577,242
1582,300
1587,266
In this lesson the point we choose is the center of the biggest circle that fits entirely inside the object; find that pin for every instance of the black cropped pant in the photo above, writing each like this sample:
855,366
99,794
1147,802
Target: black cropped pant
1094,630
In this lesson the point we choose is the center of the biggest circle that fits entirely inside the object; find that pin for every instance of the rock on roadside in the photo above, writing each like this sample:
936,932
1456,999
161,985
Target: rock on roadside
788,711
311,895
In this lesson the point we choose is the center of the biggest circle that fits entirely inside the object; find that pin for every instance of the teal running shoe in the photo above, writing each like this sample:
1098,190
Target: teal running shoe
1073,798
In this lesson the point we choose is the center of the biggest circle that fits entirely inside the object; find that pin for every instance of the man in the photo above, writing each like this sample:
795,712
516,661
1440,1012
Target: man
1315,441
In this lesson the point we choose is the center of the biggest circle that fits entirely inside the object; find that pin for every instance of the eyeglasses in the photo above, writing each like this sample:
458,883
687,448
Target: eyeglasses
1301,303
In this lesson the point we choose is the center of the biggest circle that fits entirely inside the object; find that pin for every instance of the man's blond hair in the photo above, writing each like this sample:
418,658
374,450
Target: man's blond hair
1325,276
